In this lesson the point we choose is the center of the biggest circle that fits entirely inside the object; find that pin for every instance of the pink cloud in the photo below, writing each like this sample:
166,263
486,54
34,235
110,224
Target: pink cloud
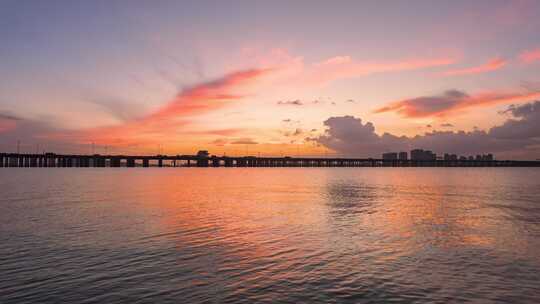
490,66
530,56
450,102
173,118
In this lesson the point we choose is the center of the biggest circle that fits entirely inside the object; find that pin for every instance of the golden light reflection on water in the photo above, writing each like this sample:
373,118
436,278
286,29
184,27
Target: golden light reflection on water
234,232
420,207
245,206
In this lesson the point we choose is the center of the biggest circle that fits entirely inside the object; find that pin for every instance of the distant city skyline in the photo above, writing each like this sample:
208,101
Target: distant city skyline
354,79
421,154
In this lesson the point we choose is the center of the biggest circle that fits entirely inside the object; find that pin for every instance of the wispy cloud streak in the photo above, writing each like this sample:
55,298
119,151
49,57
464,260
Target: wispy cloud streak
490,66
451,102
173,118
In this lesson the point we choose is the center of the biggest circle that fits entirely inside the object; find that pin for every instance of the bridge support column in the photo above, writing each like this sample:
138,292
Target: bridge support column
146,163
202,162
115,162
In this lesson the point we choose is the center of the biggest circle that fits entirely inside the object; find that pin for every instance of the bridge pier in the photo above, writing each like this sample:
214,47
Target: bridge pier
202,162
115,162
146,163
85,162
52,162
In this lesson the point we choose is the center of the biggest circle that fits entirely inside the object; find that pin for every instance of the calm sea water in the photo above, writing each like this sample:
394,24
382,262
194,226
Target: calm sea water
275,235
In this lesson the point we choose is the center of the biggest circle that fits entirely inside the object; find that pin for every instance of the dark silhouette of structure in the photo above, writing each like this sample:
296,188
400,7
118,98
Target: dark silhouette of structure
390,156
402,156
427,155
203,159
421,155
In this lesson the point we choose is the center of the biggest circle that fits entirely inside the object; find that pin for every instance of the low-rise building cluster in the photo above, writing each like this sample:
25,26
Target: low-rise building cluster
427,155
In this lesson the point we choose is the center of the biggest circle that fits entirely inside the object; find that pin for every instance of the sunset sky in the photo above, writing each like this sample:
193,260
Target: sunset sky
351,78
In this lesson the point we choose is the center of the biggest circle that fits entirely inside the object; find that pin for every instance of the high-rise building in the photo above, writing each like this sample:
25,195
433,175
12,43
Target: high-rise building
419,154
487,157
390,156
402,156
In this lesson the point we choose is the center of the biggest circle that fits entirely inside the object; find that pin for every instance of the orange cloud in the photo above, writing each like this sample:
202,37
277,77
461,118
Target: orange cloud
492,65
450,102
172,119
208,96
530,56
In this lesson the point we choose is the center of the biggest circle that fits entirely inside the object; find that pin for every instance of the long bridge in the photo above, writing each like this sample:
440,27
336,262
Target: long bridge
47,160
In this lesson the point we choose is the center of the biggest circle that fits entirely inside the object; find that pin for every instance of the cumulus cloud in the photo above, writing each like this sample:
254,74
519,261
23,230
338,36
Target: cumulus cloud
524,124
519,135
492,65
450,102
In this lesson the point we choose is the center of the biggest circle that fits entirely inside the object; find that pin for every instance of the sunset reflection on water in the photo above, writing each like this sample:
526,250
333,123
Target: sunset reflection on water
267,235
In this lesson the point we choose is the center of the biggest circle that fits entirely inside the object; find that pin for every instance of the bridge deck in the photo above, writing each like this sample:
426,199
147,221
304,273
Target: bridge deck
76,160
